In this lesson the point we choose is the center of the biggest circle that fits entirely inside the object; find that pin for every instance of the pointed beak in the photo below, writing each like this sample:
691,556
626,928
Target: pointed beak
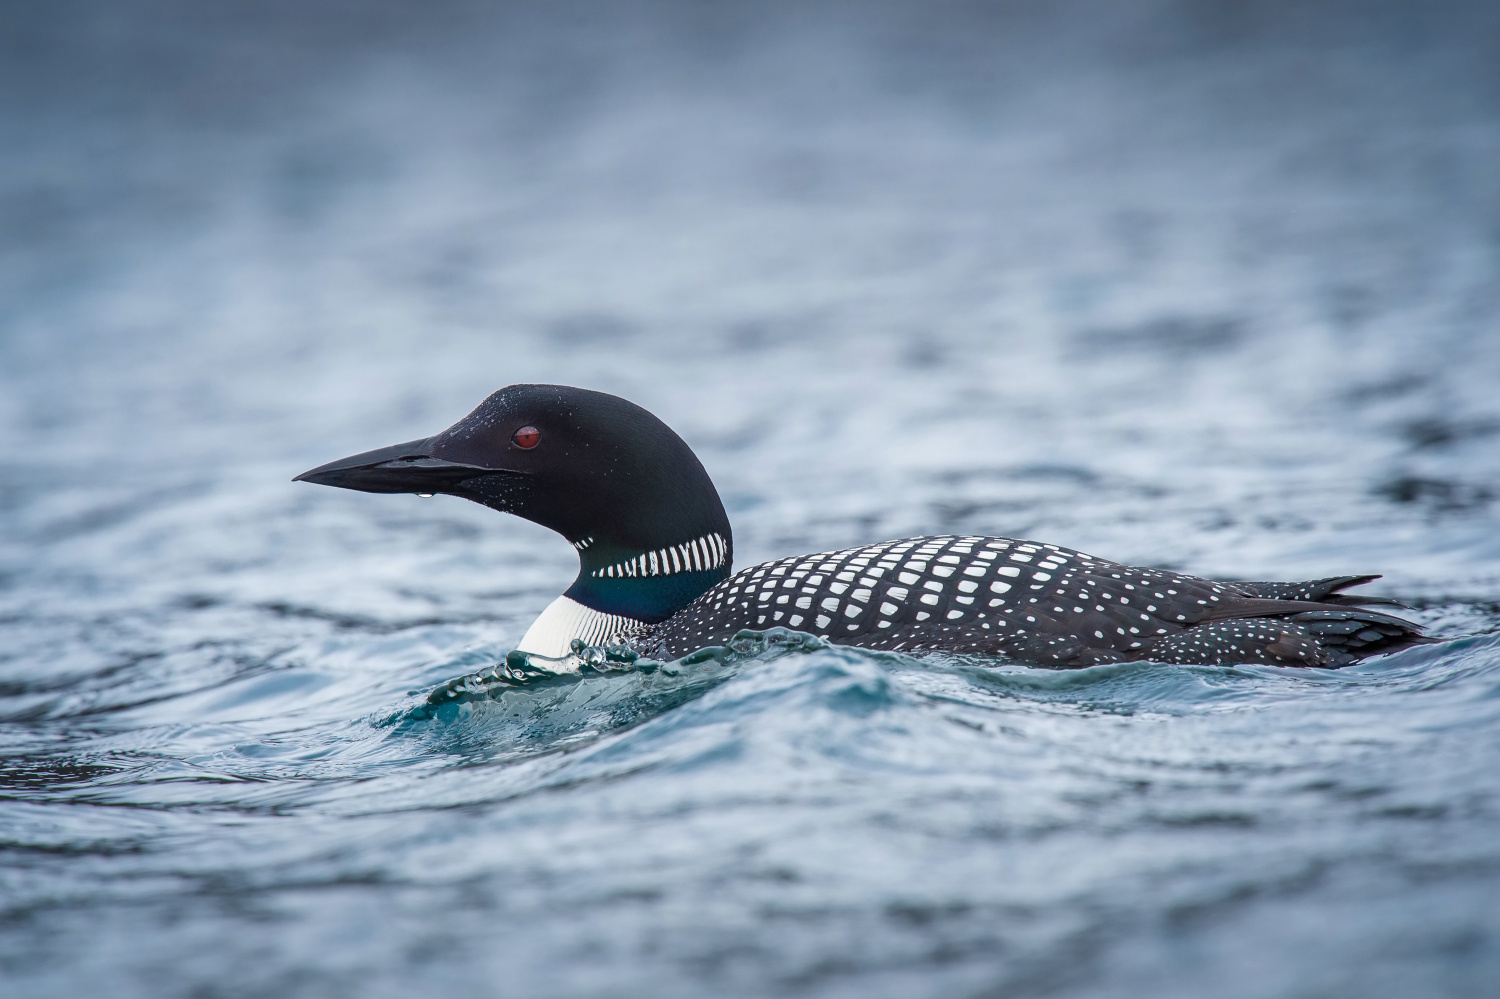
401,468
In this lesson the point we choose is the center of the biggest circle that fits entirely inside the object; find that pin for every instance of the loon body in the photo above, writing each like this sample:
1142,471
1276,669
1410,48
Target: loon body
655,552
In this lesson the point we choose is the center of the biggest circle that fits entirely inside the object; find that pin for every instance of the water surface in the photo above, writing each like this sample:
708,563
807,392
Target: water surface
1207,286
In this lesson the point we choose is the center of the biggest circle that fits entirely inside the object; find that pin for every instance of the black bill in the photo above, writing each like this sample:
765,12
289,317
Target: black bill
400,468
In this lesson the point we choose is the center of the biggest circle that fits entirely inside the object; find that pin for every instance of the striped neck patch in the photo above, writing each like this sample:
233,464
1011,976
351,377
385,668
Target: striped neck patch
698,555
565,619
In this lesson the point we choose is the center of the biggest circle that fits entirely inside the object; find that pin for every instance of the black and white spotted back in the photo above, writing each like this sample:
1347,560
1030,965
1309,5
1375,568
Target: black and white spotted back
964,594
1034,602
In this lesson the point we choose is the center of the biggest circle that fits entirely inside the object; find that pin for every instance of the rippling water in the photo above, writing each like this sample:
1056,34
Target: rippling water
1199,285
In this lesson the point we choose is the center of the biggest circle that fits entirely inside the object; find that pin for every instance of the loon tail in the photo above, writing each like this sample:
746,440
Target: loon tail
1319,626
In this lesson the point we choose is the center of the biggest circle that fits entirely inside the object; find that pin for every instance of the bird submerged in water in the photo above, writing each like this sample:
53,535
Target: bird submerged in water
655,551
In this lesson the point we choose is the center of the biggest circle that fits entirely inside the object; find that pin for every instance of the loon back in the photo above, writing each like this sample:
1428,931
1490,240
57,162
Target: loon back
655,551
1037,603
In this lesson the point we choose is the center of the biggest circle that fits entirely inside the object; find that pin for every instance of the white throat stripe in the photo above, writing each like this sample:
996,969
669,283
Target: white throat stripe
697,555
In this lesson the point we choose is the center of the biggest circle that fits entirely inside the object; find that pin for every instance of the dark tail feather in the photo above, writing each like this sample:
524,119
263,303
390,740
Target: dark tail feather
1349,635
1322,591
1329,637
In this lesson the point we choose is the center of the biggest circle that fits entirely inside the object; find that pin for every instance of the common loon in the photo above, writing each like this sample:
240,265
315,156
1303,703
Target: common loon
655,551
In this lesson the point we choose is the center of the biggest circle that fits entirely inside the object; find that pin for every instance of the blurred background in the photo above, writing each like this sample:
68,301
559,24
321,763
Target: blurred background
1226,265
1209,284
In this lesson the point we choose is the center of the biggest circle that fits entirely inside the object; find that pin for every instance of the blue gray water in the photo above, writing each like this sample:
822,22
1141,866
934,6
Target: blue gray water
1202,285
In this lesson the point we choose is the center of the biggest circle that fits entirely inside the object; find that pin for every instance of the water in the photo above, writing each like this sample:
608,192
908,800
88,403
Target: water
1207,286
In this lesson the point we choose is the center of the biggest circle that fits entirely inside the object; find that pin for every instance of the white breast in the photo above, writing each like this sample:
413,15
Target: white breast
565,619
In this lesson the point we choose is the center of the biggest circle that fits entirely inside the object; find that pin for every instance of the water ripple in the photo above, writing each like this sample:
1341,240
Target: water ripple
1206,286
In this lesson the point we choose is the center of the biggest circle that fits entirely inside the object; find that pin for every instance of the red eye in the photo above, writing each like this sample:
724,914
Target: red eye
527,437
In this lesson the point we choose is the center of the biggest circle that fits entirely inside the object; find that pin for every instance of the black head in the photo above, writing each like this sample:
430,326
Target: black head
602,472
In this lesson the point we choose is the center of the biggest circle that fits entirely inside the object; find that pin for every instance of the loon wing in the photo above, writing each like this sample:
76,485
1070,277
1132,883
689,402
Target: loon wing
1324,591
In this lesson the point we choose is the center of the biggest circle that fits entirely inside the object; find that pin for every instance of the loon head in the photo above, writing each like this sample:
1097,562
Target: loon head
614,480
